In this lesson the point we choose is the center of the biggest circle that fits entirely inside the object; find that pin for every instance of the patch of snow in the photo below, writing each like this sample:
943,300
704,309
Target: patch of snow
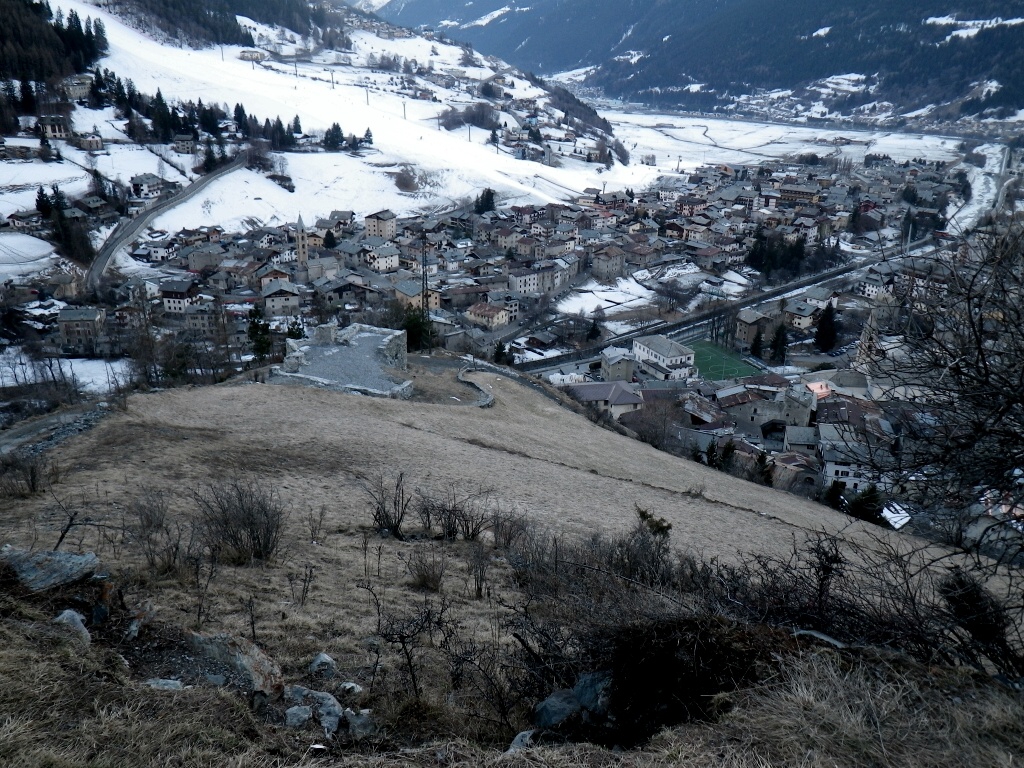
970,28
96,376
486,19
627,294
22,255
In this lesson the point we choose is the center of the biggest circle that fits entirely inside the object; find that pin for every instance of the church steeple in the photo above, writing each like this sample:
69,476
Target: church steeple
301,242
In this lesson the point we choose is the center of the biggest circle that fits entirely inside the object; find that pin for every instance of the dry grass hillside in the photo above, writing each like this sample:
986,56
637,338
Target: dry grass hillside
318,449
318,446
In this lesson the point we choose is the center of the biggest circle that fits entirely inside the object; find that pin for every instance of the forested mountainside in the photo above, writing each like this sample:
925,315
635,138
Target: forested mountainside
701,53
36,45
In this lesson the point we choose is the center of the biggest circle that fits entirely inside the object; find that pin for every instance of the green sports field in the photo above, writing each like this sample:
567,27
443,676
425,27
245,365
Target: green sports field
715,362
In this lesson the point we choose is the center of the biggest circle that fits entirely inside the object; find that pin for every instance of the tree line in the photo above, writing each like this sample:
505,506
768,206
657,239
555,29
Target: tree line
39,46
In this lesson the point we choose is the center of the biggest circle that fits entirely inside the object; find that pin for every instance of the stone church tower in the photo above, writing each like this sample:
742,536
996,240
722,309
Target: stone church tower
301,243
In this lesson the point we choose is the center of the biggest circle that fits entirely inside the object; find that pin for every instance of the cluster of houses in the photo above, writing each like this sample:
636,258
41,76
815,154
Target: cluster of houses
817,428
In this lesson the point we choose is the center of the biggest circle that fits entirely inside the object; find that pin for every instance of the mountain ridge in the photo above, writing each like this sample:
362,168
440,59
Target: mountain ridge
933,52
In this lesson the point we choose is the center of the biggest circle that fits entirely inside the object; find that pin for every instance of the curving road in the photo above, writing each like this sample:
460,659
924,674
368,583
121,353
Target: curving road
129,229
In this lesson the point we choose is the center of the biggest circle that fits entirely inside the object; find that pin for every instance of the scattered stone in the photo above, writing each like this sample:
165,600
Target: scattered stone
523,740
296,717
39,571
556,709
141,617
328,709
262,672
217,680
590,692
162,684
352,688
323,665
360,724
74,621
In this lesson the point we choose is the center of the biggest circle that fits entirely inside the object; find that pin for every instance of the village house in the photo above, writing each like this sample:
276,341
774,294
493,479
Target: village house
177,295
77,87
82,329
281,299
54,127
382,224
799,314
617,364
203,320
608,263
489,316
409,294
184,144
147,185
612,397
663,358
750,322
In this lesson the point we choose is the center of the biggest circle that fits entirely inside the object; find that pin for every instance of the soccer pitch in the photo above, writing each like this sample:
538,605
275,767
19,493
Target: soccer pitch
714,363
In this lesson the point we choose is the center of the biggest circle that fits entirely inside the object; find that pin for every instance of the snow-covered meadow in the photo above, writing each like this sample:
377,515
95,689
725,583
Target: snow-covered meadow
24,255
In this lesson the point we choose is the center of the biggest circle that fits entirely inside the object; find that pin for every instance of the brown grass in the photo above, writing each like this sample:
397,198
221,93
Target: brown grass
62,706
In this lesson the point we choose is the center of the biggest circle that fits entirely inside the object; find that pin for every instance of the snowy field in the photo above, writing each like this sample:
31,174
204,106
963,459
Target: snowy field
983,189
625,295
452,166
20,179
24,255
688,142
95,376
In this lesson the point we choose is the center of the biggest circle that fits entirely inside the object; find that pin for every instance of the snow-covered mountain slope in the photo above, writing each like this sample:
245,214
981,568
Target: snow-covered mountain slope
919,51
450,166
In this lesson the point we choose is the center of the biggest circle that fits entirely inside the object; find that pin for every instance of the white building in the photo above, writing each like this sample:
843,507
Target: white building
663,358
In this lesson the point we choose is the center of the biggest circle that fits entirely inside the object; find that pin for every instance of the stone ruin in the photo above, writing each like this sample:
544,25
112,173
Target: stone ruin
361,359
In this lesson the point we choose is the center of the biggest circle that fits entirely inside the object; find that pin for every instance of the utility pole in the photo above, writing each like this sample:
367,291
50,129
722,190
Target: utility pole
403,111
367,95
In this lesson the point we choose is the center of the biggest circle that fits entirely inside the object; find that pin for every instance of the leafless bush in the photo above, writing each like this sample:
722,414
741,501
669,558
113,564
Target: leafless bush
166,544
455,512
478,674
642,557
427,568
478,562
24,474
243,517
407,631
507,527
315,524
300,584
203,567
389,504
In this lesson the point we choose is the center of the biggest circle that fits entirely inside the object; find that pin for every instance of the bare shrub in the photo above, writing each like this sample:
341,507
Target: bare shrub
478,563
389,504
203,567
243,517
507,527
24,474
455,512
315,524
301,584
427,567
407,631
166,544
